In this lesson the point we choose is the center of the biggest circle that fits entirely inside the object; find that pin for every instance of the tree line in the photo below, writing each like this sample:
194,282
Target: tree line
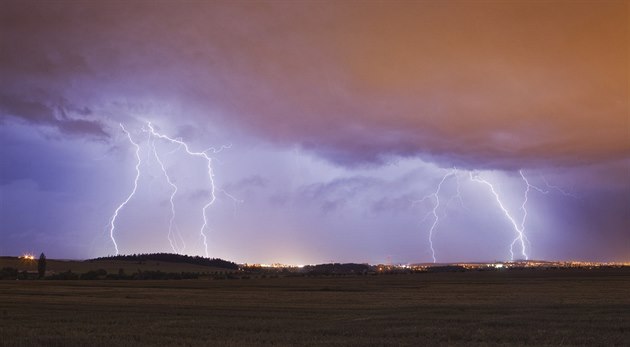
174,258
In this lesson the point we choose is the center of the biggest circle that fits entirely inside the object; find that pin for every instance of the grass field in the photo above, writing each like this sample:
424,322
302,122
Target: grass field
555,308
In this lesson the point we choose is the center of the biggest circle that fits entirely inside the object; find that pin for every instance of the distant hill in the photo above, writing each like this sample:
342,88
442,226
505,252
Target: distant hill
126,264
173,258
337,268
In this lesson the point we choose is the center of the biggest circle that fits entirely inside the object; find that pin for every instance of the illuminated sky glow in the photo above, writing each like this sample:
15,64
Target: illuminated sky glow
342,119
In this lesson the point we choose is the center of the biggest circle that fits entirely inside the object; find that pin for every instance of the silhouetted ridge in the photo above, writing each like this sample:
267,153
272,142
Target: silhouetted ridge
174,258
337,268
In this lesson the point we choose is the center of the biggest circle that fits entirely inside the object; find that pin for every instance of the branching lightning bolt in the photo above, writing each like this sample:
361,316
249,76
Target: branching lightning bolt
518,225
210,176
525,200
435,196
519,228
171,237
135,187
458,194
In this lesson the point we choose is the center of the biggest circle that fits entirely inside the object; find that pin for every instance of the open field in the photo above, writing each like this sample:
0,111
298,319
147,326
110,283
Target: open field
561,307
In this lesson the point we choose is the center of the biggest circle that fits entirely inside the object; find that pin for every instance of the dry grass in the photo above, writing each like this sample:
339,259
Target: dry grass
561,307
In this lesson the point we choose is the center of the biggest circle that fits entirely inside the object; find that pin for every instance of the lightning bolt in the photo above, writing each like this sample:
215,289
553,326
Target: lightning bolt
518,227
435,196
204,156
458,194
135,187
525,200
171,237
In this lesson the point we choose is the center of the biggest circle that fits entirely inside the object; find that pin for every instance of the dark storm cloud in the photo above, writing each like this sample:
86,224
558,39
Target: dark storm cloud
39,61
41,114
31,111
501,85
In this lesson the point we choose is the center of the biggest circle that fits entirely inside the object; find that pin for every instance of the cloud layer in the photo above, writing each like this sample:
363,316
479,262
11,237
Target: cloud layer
477,85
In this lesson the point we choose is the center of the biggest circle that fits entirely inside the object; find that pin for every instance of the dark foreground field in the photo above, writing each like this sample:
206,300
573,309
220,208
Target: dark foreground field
556,307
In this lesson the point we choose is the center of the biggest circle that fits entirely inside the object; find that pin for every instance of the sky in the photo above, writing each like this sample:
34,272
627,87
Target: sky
371,131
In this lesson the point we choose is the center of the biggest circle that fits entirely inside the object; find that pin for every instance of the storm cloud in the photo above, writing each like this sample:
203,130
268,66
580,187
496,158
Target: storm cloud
340,114
501,85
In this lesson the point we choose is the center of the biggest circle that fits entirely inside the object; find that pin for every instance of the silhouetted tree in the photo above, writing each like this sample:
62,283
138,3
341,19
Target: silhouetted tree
41,265
174,258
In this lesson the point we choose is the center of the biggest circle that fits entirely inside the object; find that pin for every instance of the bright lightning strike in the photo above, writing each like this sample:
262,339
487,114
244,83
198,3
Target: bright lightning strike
203,155
518,224
135,187
435,196
171,223
519,228
174,236
525,200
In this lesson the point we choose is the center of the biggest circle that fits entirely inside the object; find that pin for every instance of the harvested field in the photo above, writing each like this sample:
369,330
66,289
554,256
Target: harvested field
541,307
